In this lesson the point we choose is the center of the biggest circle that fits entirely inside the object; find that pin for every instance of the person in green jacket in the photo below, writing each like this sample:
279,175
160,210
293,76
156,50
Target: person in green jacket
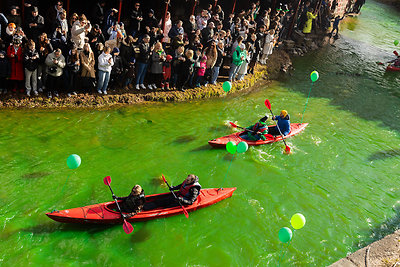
258,130
308,26
237,59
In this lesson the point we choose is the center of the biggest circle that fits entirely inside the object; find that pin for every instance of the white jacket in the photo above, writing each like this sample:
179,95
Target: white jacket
78,34
104,65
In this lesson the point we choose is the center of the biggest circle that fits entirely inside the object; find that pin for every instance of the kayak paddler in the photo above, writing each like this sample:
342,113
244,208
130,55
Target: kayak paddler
283,121
189,190
133,203
257,130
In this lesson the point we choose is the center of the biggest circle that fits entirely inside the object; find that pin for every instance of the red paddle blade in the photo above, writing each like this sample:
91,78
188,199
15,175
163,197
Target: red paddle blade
233,125
267,104
107,180
128,228
287,150
164,178
186,213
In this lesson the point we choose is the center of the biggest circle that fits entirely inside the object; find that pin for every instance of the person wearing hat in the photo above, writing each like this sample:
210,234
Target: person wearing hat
34,25
150,20
283,122
15,56
257,131
111,19
8,35
14,17
134,202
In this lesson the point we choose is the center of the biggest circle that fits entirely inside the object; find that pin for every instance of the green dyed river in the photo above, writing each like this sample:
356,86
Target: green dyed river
342,176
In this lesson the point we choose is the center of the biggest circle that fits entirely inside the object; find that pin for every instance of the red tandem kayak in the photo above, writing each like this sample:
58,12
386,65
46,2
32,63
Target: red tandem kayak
222,141
392,68
104,213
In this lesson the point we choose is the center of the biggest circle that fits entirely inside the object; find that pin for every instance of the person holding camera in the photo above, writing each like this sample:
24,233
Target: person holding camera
79,31
55,63
31,62
15,56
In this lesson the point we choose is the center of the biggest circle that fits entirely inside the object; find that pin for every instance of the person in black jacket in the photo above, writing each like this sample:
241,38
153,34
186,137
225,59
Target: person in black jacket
97,16
118,68
136,19
72,70
34,25
187,71
150,21
133,203
5,72
143,61
31,62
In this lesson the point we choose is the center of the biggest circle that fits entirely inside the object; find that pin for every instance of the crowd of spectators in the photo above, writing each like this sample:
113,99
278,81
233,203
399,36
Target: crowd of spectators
52,53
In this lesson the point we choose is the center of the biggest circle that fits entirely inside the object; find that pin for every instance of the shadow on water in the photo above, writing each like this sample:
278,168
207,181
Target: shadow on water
141,235
51,227
34,175
185,139
202,148
380,231
380,155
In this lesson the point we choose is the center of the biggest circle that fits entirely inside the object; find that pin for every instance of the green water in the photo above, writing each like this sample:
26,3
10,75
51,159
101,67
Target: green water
342,175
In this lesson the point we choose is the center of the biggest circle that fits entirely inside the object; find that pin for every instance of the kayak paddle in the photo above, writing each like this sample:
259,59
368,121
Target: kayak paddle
237,126
128,228
170,189
268,105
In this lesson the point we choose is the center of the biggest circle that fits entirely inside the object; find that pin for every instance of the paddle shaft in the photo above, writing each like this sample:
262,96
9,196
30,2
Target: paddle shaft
172,191
116,202
247,129
283,139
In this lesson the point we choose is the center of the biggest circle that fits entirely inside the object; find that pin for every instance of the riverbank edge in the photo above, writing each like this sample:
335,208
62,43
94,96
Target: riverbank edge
263,74
393,3
384,252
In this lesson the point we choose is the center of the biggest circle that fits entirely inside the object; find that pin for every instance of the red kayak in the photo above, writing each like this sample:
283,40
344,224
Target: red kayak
236,137
392,68
104,213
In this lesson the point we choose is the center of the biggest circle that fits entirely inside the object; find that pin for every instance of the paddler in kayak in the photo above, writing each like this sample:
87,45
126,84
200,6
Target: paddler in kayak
133,203
188,192
283,121
257,131
395,62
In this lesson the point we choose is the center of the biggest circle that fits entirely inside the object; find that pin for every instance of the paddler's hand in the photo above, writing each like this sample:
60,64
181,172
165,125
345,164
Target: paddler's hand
114,197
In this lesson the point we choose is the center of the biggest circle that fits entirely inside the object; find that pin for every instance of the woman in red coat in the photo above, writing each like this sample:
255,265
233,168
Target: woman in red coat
14,53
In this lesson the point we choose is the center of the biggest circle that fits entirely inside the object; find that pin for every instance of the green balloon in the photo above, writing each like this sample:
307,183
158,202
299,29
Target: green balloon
73,161
285,234
298,221
231,147
396,42
227,86
314,76
242,147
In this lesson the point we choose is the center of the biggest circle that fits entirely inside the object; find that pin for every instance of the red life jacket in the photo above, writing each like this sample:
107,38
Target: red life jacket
185,189
258,127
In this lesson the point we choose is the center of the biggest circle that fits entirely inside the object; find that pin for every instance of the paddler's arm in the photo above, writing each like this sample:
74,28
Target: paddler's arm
176,187
119,198
194,192
262,135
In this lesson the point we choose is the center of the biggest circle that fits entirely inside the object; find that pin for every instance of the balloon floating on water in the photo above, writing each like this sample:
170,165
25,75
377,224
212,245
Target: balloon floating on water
314,76
231,147
242,147
227,86
73,161
396,42
298,221
285,234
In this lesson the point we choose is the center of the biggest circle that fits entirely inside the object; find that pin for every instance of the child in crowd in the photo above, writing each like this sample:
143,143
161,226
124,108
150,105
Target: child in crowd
156,69
167,66
187,70
201,71
117,68
130,74
72,71
5,71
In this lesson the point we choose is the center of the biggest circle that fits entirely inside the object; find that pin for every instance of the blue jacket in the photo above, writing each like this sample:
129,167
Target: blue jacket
284,124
